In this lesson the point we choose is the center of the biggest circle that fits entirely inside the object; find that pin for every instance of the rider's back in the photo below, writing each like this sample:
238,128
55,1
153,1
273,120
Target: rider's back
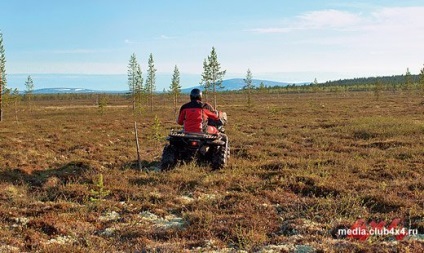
193,116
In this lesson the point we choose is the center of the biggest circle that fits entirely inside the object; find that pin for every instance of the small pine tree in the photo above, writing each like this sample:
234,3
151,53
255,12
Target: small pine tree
157,129
100,193
102,103
139,89
3,80
408,80
29,84
206,79
151,80
248,87
132,78
262,86
315,85
175,88
2,63
421,81
378,88
216,74
15,97
11,98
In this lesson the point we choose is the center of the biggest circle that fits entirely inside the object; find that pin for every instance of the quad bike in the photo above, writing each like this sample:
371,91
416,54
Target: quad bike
203,147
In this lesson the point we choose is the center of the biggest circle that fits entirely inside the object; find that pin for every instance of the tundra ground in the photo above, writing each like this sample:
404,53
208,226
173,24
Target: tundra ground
302,167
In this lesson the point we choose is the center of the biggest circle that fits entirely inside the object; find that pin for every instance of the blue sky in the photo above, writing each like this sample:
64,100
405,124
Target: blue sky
288,41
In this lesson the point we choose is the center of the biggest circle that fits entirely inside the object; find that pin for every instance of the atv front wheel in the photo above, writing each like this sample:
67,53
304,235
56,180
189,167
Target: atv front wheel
169,159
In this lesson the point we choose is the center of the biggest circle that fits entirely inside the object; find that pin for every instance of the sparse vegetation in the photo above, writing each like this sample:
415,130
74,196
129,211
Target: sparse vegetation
100,192
157,132
378,87
302,166
102,103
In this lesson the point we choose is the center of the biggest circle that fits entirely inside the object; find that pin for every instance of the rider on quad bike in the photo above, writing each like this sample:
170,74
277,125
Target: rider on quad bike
199,117
202,137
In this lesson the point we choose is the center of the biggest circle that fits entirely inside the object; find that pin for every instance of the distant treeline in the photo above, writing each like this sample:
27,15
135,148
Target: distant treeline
385,80
388,83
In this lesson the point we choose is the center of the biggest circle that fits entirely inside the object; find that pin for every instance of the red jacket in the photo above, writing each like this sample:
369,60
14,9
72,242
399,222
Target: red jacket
194,117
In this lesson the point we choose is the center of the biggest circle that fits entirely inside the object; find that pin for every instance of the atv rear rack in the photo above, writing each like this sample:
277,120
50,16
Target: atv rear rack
193,135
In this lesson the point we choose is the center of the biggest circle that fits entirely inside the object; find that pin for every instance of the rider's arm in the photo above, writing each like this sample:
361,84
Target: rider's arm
210,114
210,108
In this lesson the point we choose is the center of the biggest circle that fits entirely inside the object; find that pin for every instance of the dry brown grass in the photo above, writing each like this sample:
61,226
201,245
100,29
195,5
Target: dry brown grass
302,165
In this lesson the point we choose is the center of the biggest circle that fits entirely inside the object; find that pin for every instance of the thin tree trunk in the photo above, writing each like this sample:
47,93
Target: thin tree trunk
29,103
16,109
175,105
151,101
214,96
133,104
138,147
133,99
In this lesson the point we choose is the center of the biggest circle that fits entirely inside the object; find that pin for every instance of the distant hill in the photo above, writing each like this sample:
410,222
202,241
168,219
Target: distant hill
229,85
62,91
238,84
71,91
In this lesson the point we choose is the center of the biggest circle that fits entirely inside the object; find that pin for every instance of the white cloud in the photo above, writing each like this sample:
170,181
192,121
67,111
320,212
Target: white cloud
332,19
384,19
396,30
381,41
272,30
324,19
383,30
164,37
404,15
127,41
408,20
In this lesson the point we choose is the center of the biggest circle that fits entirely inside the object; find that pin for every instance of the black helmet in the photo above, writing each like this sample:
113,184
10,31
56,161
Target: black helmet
196,94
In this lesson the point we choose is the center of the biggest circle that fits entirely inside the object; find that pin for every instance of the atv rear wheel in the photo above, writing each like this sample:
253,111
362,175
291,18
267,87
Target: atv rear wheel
220,157
169,158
